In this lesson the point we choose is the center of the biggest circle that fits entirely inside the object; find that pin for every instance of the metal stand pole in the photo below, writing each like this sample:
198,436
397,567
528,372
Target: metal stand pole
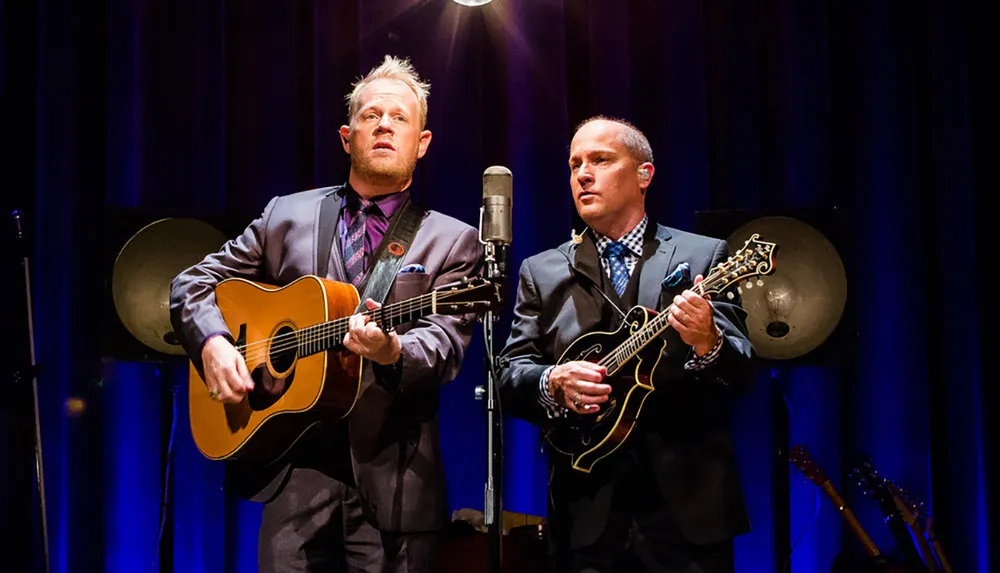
39,463
493,505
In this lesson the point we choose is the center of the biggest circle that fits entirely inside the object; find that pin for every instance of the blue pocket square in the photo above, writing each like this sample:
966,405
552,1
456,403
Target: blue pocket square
682,274
413,269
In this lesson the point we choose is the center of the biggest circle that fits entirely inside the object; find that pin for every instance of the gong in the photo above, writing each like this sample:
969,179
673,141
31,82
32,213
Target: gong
143,270
796,308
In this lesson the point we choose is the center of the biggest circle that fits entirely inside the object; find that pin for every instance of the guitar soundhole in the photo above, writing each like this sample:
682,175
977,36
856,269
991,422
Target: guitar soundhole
283,350
267,387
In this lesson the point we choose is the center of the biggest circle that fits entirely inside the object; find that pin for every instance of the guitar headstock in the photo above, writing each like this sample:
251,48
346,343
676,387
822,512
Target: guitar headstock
909,503
471,295
754,259
884,491
802,458
870,482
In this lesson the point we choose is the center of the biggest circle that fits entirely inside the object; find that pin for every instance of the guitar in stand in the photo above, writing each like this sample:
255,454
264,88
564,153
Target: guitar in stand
801,457
631,355
917,516
911,545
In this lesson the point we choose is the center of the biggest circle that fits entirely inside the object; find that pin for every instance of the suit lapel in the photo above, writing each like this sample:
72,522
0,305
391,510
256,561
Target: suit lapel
655,268
327,223
583,259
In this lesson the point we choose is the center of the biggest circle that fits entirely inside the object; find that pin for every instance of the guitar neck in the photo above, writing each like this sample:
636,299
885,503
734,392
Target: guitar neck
330,335
852,522
939,554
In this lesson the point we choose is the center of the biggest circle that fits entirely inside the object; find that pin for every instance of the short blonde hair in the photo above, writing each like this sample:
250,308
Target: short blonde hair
392,68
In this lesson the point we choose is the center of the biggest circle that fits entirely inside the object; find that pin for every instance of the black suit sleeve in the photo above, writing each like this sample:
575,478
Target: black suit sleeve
525,356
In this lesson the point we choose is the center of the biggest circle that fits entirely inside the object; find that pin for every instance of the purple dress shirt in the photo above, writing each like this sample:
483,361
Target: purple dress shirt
375,226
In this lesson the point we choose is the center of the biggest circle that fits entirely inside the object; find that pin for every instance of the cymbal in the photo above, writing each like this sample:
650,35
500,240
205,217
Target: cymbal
143,270
796,308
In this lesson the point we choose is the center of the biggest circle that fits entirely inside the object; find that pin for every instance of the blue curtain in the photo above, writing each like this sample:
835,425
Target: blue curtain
883,113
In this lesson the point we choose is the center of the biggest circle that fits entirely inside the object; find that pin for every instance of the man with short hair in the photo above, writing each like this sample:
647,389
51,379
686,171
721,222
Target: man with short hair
368,493
669,498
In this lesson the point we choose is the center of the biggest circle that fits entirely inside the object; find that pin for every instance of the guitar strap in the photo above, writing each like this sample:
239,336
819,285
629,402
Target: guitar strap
389,256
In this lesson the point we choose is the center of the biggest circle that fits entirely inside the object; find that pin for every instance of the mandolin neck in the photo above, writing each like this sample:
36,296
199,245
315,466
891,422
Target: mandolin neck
647,333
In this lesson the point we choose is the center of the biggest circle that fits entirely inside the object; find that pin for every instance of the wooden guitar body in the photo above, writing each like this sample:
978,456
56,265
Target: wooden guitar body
589,438
296,383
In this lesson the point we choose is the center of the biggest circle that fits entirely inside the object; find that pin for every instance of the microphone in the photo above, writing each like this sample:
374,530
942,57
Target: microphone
495,226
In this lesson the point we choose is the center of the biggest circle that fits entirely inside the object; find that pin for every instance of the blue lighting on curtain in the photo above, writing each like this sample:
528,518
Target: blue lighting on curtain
132,466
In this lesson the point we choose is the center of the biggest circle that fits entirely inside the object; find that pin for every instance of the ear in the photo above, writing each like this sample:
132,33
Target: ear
345,134
425,142
645,175
646,171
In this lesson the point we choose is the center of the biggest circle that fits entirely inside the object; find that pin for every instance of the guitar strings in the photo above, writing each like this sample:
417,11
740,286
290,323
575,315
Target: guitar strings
339,327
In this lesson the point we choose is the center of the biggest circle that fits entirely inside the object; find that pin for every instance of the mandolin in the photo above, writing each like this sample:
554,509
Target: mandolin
291,339
631,355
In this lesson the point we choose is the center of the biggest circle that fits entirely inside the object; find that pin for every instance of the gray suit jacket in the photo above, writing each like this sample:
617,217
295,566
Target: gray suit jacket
683,424
393,434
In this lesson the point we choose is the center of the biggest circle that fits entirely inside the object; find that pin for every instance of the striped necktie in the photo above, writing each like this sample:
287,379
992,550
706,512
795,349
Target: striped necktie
354,253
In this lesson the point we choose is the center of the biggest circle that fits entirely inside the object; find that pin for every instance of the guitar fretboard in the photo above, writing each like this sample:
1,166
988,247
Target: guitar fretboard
329,335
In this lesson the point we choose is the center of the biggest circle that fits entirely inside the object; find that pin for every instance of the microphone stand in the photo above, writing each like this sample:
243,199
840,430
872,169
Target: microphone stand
493,505
39,459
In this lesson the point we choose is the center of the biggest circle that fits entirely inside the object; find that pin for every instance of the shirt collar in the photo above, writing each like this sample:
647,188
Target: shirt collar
387,204
632,239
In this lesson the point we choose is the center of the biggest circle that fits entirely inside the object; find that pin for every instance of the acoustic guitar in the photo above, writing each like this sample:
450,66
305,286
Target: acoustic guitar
631,355
291,339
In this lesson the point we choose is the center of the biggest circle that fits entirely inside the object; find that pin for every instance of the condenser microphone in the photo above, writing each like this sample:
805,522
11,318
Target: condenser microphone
495,226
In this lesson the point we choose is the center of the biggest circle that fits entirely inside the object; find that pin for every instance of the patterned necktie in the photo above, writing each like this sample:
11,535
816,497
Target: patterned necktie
615,252
354,253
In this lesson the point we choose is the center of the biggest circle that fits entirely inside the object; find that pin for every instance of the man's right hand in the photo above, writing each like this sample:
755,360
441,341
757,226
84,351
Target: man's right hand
226,374
576,385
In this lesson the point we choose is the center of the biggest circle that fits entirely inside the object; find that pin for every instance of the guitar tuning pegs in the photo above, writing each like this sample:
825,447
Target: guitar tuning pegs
730,295
760,282
749,285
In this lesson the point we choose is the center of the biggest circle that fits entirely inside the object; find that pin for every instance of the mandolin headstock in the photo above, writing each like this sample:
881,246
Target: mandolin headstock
754,259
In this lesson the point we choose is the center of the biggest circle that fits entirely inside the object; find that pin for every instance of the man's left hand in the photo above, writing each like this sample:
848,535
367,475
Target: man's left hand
691,317
367,339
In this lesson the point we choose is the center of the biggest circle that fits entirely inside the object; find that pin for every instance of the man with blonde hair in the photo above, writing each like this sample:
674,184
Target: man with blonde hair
364,494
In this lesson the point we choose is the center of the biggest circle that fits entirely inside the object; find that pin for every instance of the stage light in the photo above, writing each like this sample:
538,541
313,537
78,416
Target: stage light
472,2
